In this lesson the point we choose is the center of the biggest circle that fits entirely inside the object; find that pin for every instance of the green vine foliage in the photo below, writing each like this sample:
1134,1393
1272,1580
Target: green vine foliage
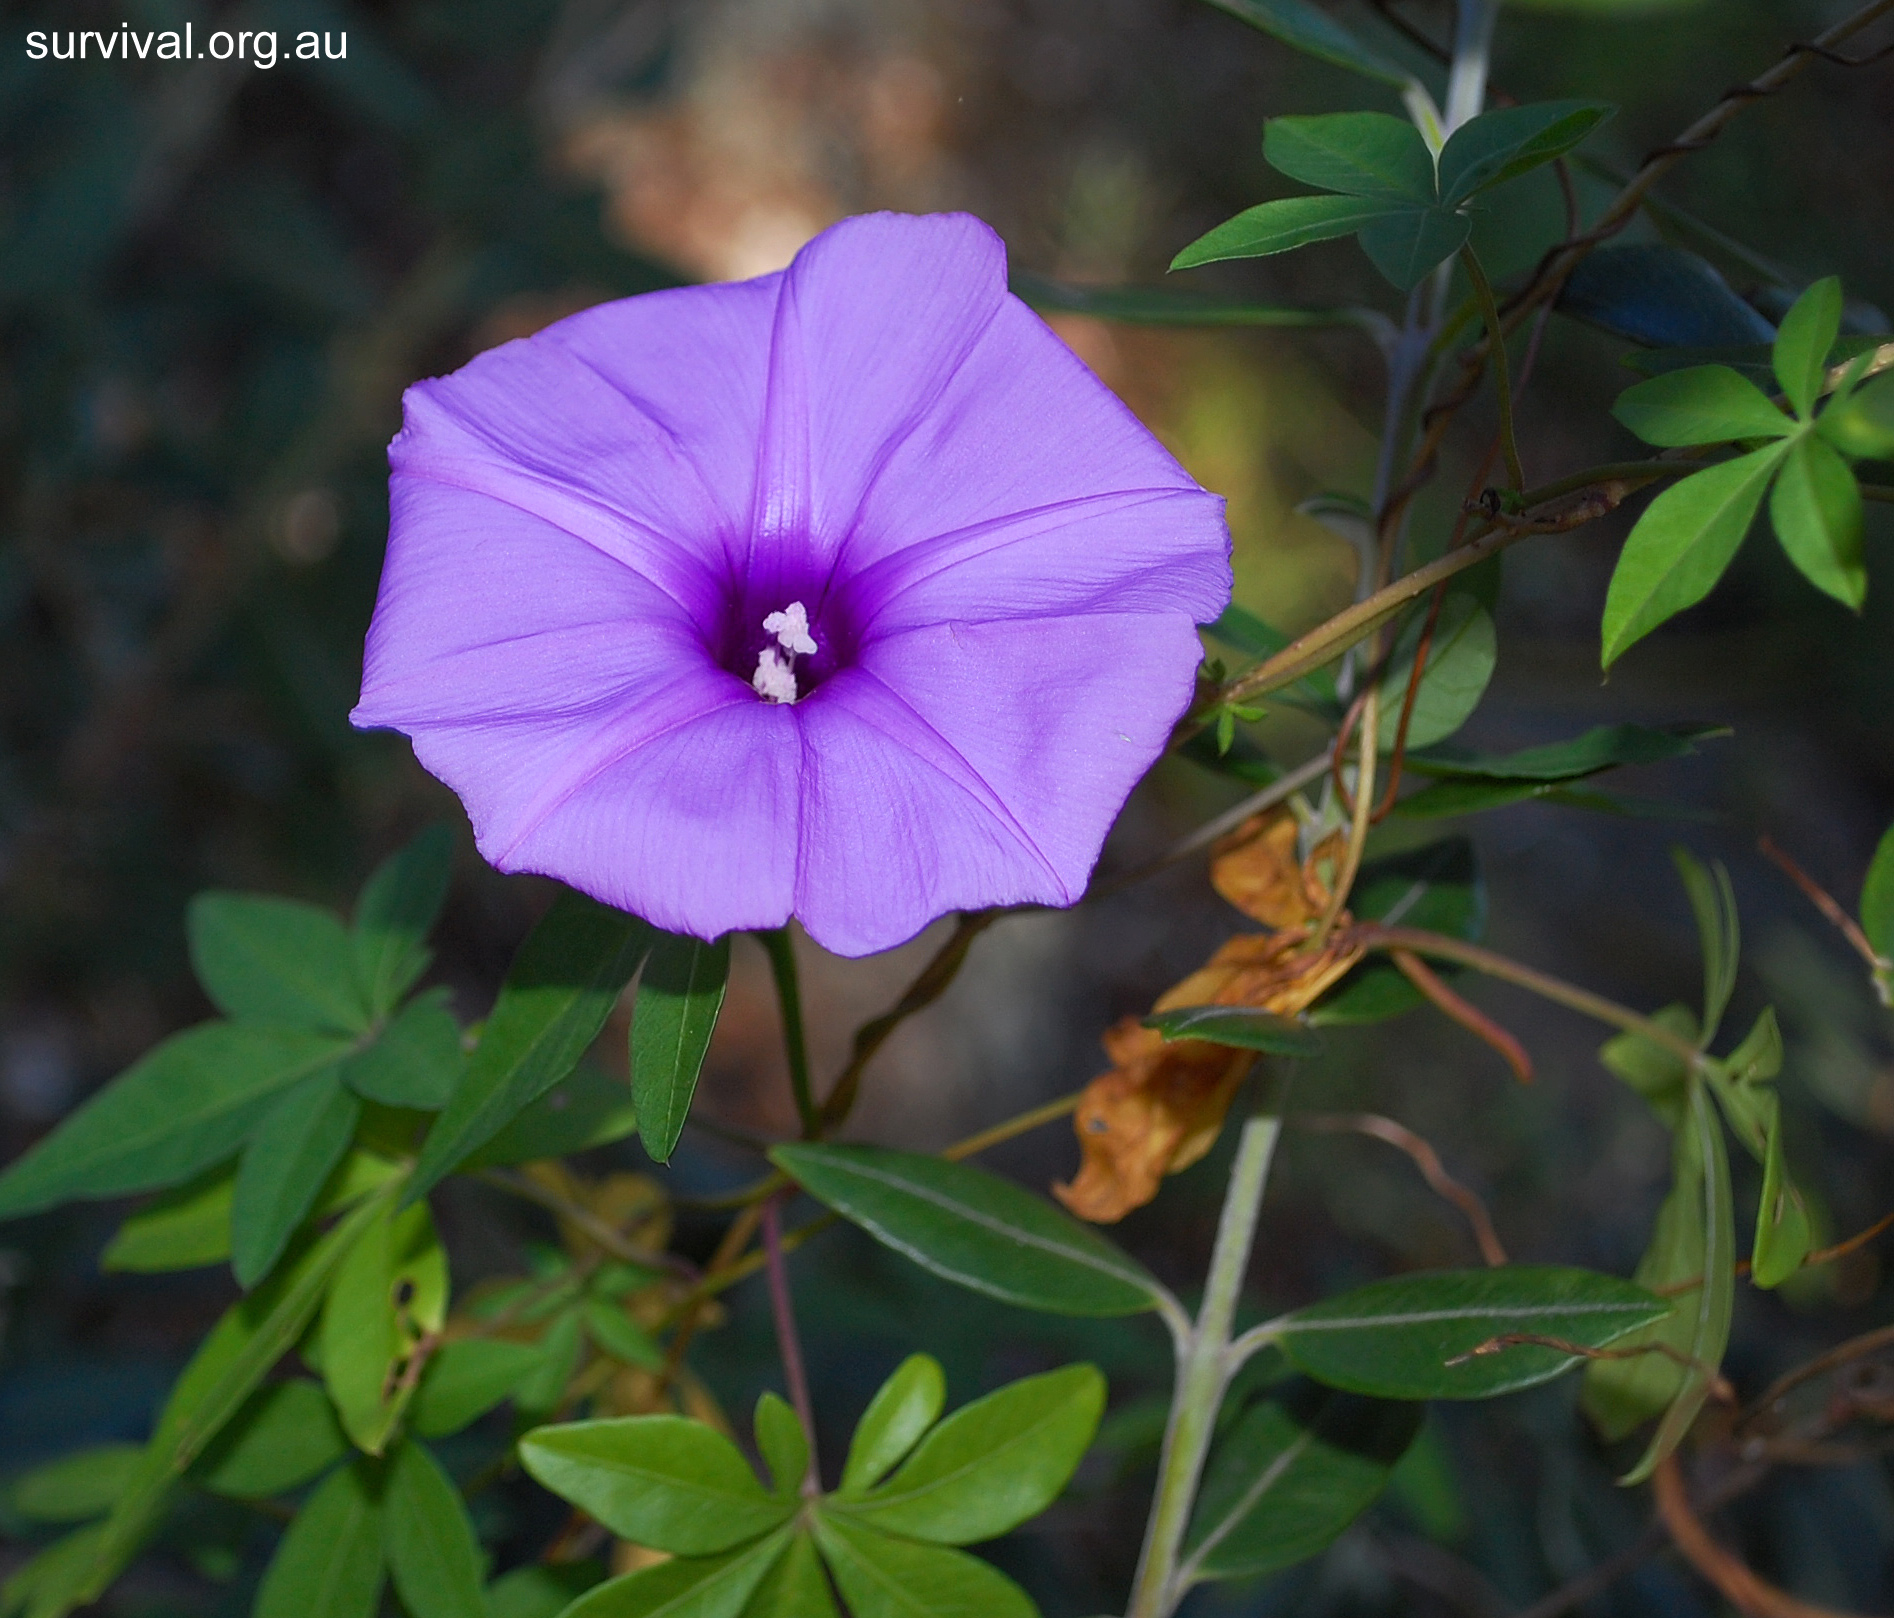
309,1134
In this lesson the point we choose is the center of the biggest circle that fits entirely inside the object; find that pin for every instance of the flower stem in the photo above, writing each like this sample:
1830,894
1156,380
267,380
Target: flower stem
1203,1372
787,1340
781,949
1502,372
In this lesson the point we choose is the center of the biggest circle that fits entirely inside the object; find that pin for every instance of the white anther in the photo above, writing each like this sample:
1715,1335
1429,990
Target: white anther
791,629
774,680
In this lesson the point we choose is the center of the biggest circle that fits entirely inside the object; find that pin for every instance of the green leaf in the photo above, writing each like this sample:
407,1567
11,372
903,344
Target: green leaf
1312,31
416,1061
263,959
1295,1469
1438,1336
180,1108
782,1443
540,1589
679,997
394,915
992,1464
1361,154
618,1335
883,1577
1682,544
903,1408
1241,1026
329,1563
1605,747
76,1487
1706,404
559,1348
1815,509
973,1228
284,1168
283,1435
1409,245
1676,301
1877,898
796,1586
433,1554
1499,146
1654,1071
182,1229
389,1294
1719,933
1279,227
1460,662
589,1108
1863,424
557,995
1803,340
1702,1317
1158,306
49,1585
227,1367
664,1481
1783,1233
1436,886
686,1586
465,1379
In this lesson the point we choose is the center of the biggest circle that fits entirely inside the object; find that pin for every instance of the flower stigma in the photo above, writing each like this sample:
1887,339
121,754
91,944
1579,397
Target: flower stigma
775,676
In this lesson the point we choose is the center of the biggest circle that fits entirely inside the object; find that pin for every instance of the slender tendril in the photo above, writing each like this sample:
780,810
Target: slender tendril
788,1340
1502,372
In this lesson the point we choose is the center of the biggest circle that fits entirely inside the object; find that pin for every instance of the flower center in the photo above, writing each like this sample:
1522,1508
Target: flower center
775,676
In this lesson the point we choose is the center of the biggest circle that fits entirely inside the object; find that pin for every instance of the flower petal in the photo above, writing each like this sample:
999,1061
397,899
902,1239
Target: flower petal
456,639
876,316
1021,425
694,829
1141,550
645,410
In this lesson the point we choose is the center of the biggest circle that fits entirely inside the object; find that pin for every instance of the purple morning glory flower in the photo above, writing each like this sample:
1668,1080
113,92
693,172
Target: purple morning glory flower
847,593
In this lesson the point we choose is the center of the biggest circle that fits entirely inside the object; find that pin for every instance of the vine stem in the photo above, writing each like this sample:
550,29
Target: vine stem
1502,372
1203,1372
789,1341
781,949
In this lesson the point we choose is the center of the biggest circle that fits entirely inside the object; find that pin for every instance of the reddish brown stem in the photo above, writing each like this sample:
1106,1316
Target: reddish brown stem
1470,1017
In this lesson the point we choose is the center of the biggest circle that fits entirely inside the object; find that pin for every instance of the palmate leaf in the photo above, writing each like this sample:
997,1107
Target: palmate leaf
1863,424
1360,154
284,1168
1289,1474
76,1487
1430,1336
180,1229
394,915
329,1564
180,1108
679,998
903,1408
973,1228
992,1464
1281,226
1499,146
687,1586
1657,294
1682,545
466,1378
1243,1027
1157,306
1719,933
782,1443
389,1292
416,1061
433,1553
884,1577
1815,509
796,1587
1706,404
589,1108
664,1481
557,994
1408,246
1604,747
270,960
282,1436
1807,333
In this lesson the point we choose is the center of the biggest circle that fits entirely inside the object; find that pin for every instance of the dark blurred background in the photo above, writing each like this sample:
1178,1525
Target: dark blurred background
215,280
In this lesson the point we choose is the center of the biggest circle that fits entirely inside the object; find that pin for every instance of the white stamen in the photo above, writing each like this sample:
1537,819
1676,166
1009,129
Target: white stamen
791,629
774,679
